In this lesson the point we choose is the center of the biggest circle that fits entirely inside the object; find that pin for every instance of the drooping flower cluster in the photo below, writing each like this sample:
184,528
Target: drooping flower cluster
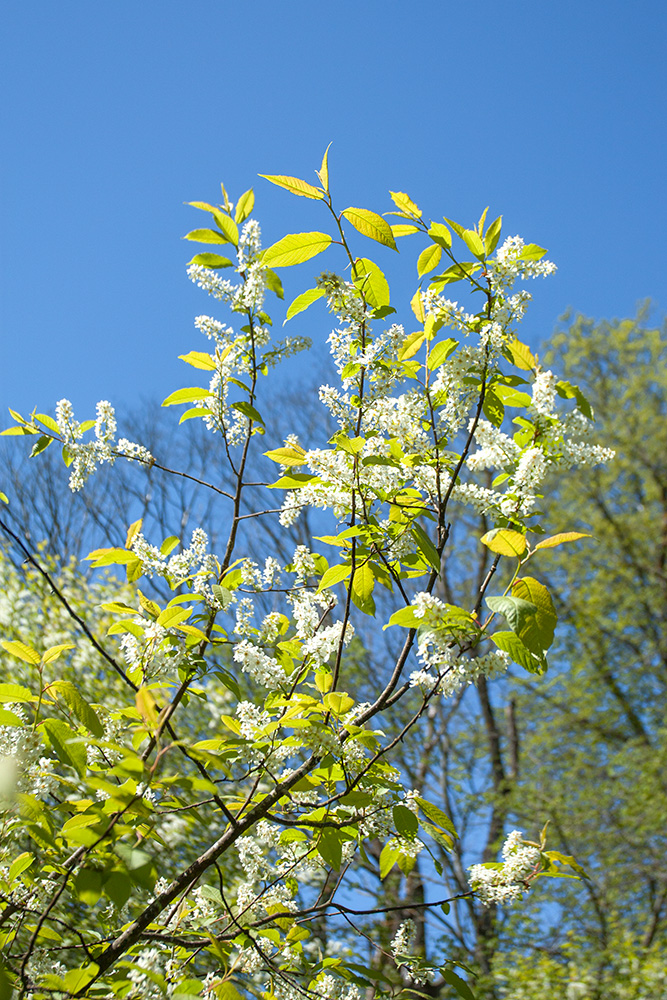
507,882
85,456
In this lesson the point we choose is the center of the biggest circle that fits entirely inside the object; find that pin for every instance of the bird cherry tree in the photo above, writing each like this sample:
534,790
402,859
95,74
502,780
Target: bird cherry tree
190,811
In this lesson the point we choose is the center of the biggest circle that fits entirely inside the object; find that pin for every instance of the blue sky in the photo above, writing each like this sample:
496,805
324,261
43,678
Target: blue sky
114,115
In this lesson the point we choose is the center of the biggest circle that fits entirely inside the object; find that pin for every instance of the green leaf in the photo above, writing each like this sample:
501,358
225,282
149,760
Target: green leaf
65,744
213,260
295,248
41,445
118,887
190,394
334,575
568,391
244,206
388,858
295,185
538,636
330,848
437,816
372,225
361,593
518,612
564,536
20,864
459,230
440,235
273,283
459,984
248,411
78,706
428,259
405,821
301,302
88,885
511,644
405,203
457,272
370,280
505,542
206,236
426,548
493,407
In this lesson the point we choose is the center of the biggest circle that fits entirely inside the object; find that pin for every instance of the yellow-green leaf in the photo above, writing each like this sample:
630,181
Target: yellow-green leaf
411,345
338,702
191,394
244,206
295,248
323,172
22,652
15,692
79,707
304,300
199,359
53,652
361,593
206,236
428,259
403,229
521,355
213,260
440,234
334,575
286,456
229,228
417,306
505,542
372,225
564,536
405,203
474,242
295,185
537,637
371,281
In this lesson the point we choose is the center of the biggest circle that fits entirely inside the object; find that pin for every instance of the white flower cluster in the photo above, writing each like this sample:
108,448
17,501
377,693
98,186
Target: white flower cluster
508,265
85,456
261,667
23,767
404,939
194,563
156,653
443,663
507,883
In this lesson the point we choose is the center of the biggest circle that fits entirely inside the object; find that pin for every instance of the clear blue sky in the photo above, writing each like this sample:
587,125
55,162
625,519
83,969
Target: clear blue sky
114,115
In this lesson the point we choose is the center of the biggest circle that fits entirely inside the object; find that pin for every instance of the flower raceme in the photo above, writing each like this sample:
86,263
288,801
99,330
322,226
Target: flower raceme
232,737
